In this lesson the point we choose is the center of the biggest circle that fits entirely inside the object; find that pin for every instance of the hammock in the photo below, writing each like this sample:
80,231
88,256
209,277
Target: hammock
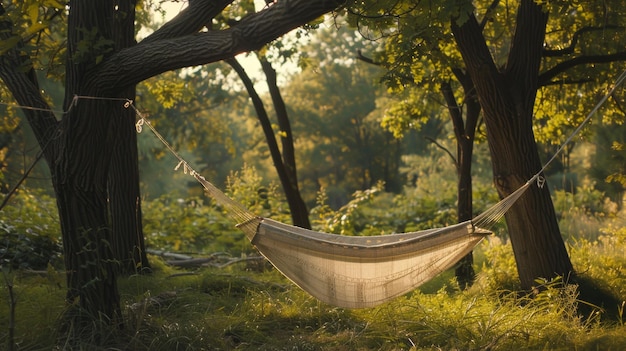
358,272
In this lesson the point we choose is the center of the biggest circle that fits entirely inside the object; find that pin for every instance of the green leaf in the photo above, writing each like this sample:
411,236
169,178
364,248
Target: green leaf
33,13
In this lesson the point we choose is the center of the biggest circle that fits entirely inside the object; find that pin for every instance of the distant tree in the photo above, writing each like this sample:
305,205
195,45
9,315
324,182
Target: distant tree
283,158
337,106
414,99
194,112
608,166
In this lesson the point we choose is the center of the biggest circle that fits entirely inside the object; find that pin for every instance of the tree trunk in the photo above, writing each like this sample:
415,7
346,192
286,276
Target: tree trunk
299,211
82,170
81,190
507,99
124,195
464,136
292,193
80,148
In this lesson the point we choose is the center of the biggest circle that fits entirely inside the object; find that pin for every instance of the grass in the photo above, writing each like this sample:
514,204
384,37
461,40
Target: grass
238,309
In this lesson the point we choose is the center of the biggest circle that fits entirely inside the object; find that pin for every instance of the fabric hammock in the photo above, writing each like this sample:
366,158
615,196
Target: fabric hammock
362,271
359,271
353,271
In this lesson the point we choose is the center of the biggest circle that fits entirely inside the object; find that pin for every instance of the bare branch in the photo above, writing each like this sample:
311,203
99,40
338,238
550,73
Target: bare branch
488,13
567,82
575,37
360,56
546,77
444,149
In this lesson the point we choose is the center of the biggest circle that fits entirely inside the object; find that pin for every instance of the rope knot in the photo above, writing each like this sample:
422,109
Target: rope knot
541,181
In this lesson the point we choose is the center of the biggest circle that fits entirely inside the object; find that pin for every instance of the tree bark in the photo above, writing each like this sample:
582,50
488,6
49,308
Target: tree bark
124,195
82,200
152,57
507,99
82,169
79,150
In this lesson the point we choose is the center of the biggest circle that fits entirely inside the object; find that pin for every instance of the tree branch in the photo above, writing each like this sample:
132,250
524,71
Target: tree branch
488,13
456,164
479,64
546,77
190,20
567,82
575,37
360,56
18,76
135,64
524,58
455,111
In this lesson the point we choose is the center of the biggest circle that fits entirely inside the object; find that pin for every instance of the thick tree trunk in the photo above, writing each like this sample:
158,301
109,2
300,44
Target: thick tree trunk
79,153
124,197
507,99
81,189
82,171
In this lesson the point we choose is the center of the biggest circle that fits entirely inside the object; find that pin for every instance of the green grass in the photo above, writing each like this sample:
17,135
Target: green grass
237,309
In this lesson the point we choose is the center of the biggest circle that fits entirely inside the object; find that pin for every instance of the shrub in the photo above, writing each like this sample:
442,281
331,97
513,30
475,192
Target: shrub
30,234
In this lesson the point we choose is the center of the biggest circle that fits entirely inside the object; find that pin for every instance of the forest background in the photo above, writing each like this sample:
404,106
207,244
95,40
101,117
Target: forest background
372,158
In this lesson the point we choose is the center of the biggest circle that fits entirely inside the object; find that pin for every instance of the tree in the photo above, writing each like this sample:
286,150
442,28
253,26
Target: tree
81,148
284,162
509,57
404,115
339,142
127,238
432,85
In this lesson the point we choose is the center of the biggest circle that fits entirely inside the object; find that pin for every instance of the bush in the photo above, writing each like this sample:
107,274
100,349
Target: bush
26,251
30,234
199,225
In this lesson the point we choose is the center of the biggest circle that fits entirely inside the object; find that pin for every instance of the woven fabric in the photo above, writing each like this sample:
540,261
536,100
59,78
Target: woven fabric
358,271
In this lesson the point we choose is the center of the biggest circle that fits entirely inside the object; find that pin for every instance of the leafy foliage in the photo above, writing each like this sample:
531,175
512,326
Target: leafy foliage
30,233
249,189
198,225
235,308
339,143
